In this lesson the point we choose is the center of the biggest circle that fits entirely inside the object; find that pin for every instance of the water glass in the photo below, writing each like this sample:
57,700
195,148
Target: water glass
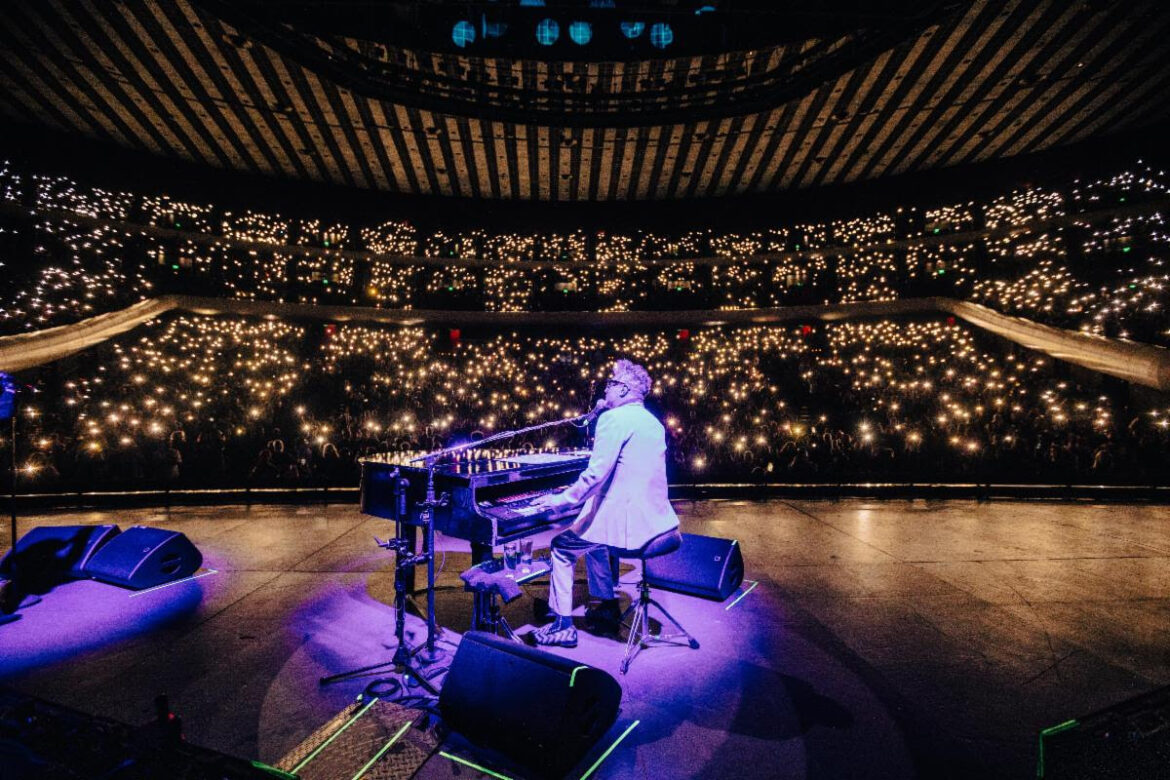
526,552
511,556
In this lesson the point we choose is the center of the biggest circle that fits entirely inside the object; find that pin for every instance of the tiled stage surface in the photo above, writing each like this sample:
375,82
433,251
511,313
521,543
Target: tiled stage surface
885,639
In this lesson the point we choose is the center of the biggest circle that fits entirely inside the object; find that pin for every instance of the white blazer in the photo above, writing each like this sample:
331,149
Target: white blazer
623,489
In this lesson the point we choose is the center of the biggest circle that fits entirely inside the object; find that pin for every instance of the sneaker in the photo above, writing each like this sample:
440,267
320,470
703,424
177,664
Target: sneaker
550,636
604,618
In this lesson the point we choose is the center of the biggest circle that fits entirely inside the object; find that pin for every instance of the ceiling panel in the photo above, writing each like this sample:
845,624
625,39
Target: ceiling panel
981,81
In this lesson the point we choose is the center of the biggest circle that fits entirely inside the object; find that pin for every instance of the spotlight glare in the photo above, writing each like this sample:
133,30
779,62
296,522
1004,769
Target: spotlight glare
547,32
580,32
463,33
633,29
661,35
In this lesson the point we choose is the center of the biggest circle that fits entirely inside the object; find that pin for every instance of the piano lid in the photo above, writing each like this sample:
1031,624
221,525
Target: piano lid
472,467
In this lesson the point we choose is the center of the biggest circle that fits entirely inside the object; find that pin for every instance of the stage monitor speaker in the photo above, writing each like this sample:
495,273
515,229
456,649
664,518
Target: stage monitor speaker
46,740
142,557
702,566
538,709
60,551
1130,739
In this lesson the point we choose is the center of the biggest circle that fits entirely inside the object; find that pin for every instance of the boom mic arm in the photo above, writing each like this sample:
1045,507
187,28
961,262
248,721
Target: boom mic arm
583,419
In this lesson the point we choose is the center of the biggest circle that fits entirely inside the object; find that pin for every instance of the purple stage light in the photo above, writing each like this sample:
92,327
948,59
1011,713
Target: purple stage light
84,616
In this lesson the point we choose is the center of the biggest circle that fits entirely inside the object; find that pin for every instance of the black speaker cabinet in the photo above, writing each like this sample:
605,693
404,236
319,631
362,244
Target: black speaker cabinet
539,709
1127,740
703,566
56,552
142,557
43,739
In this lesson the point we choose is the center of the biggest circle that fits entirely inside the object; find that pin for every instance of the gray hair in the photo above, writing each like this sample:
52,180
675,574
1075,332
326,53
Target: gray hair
633,376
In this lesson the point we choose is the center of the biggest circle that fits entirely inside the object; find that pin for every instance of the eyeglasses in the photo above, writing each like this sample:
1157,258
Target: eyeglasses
610,382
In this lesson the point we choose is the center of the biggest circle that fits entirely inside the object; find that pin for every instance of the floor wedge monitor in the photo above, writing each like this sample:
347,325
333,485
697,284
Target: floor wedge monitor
540,710
703,566
61,551
142,557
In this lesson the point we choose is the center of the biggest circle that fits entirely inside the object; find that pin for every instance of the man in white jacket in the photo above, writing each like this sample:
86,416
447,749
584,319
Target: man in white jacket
622,494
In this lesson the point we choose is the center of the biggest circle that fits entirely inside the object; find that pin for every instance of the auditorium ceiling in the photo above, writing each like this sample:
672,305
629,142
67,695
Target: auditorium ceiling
230,85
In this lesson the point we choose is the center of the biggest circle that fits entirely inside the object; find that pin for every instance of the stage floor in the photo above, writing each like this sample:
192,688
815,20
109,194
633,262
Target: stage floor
884,639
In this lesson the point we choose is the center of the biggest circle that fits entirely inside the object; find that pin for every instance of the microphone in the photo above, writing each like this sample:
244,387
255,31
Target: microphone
598,408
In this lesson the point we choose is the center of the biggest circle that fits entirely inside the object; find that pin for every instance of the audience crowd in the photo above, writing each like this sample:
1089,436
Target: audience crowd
1082,255
197,402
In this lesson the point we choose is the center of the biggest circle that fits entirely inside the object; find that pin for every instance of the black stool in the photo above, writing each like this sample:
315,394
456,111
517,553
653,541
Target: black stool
639,625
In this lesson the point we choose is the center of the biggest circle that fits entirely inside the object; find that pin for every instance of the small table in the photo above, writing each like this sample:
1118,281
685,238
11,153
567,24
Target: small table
489,580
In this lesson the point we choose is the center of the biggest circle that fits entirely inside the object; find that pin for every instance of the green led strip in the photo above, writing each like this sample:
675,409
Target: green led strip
273,771
476,767
749,590
382,752
605,755
207,573
573,676
1048,732
334,736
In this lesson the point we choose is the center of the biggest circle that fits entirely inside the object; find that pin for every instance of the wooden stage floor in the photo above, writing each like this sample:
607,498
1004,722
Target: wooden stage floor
884,639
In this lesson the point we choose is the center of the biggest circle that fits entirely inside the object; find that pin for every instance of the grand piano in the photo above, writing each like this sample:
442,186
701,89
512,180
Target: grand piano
489,496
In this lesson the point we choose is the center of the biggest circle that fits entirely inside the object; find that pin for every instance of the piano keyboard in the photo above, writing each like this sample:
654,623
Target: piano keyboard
515,507
489,498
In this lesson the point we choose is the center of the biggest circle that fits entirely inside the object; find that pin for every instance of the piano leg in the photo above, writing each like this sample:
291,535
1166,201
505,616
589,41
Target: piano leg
480,610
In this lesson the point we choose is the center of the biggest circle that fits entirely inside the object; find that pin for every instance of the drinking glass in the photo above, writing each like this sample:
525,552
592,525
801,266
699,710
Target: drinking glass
511,556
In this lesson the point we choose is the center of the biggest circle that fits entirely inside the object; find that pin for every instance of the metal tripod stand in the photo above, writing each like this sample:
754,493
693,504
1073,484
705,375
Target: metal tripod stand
405,560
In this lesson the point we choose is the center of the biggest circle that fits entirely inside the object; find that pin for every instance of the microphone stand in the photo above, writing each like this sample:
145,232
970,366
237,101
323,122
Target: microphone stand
12,483
427,519
11,403
404,559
